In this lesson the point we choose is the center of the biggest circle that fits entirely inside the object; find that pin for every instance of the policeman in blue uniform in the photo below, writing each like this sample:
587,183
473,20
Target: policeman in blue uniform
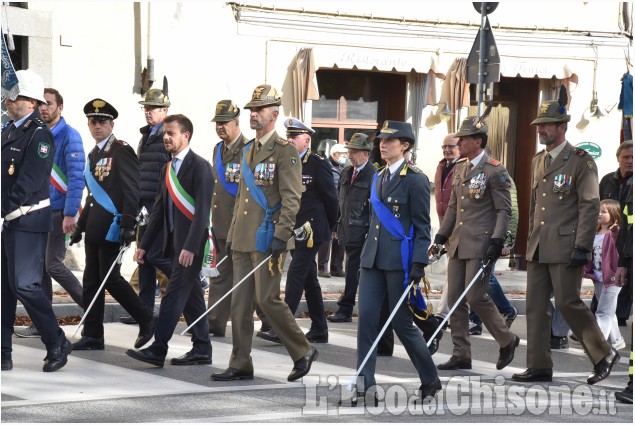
394,256
318,206
108,218
27,160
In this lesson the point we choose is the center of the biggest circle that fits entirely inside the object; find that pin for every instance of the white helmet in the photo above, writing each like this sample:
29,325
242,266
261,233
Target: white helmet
31,85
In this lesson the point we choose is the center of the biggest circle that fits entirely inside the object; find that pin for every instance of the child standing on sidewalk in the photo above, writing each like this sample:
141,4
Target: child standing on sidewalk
601,270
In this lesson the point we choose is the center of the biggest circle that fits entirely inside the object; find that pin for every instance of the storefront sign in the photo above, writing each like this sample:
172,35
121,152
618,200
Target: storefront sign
592,148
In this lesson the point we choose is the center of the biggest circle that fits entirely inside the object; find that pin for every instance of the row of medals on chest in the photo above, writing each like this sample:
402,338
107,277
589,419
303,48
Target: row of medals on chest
263,174
561,184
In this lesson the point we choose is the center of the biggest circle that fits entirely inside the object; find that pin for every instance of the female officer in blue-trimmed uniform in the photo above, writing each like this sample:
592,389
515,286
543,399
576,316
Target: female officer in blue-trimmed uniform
399,228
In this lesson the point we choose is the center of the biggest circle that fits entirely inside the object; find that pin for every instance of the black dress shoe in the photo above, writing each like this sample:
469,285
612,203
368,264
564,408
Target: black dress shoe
191,358
339,317
146,331
338,274
232,374
302,366
146,355
89,343
507,353
318,336
434,345
216,334
360,398
269,335
430,390
559,343
7,364
534,375
57,357
455,363
603,368
127,320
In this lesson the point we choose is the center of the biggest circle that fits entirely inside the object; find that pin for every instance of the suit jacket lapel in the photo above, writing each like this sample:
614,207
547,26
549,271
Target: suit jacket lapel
265,151
560,160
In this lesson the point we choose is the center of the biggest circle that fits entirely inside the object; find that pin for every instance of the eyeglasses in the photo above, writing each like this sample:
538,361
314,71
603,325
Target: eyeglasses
149,108
449,147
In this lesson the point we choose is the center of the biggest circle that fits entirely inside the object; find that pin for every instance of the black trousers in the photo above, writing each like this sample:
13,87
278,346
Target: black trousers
99,259
302,277
154,260
183,294
347,299
22,267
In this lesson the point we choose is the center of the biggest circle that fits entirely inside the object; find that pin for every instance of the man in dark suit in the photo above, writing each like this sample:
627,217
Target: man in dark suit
182,210
354,194
318,206
108,218
28,150
227,161
394,256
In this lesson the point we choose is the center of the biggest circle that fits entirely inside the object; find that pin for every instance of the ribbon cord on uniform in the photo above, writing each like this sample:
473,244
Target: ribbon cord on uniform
392,224
231,188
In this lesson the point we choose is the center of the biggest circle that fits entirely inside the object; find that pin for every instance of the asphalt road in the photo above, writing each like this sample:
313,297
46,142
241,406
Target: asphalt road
108,386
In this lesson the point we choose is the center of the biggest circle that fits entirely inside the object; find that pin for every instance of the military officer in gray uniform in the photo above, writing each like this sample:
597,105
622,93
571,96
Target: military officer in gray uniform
393,257
226,173
563,211
474,229
264,216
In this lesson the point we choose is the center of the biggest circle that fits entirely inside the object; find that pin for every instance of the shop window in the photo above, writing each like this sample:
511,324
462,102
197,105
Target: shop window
355,102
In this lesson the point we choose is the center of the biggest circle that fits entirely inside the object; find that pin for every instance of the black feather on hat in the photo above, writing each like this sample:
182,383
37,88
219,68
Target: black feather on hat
562,99
165,85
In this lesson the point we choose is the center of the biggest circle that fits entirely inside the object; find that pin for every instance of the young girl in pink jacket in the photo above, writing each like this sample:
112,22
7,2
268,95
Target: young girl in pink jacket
601,270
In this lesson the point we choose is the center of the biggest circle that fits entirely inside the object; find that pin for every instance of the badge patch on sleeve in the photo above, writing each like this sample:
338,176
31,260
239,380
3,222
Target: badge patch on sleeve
43,149
293,161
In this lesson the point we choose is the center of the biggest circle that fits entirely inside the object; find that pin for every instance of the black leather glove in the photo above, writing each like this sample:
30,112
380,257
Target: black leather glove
75,237
578,257
417,272
127,235
440,239
278,246
494,250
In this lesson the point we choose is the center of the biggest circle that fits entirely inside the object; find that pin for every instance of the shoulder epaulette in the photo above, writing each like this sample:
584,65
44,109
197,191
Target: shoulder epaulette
494,162
461,160
580,152
318,155
539,153
39,122
282,141
379,169
415,168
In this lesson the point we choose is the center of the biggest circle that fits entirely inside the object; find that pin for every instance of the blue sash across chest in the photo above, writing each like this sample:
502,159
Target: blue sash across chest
264,234
102,198
393,225
230,187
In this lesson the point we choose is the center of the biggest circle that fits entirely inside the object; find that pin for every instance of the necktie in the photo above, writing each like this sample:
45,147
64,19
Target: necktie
547,160
355,172
384,182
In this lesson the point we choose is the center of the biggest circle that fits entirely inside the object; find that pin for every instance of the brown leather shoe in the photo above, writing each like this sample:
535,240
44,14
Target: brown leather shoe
507,353
455,363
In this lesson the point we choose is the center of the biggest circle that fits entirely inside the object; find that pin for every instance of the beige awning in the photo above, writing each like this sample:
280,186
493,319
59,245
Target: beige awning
536,68
378,59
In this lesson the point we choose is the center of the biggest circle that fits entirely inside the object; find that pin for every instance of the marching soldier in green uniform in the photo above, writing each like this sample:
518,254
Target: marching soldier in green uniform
474,228
226,172
563,211
267,202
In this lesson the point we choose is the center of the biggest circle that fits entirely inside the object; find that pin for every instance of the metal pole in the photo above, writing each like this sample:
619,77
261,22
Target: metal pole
447,317
381,333
225,296
481,59
101,287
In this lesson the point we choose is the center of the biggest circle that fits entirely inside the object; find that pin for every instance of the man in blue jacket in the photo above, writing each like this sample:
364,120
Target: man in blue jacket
66,187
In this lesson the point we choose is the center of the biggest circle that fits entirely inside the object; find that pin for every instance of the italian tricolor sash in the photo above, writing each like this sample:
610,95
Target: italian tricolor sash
183,201
58,179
